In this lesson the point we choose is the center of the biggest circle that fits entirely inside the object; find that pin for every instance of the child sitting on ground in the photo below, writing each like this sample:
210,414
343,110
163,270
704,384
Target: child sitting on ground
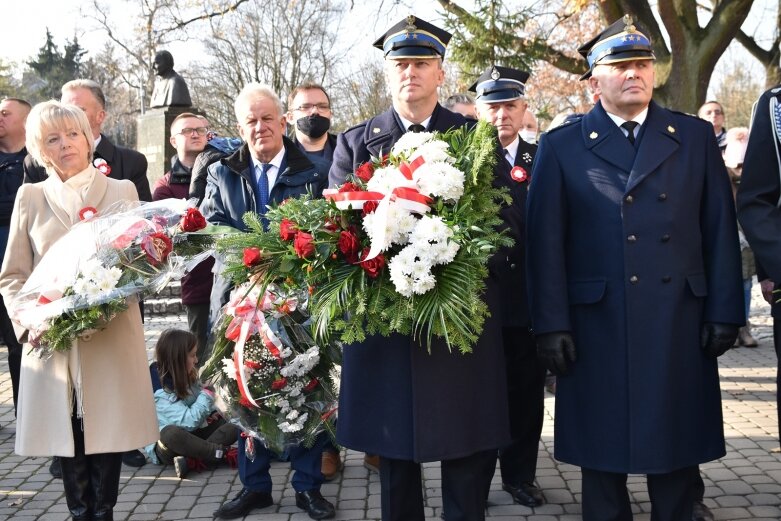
189,428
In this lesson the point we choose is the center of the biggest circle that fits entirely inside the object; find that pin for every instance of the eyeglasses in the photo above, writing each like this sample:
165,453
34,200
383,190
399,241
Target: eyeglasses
201,131
715,112
321,107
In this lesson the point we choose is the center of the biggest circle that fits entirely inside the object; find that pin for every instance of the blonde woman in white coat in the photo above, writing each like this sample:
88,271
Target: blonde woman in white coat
89,404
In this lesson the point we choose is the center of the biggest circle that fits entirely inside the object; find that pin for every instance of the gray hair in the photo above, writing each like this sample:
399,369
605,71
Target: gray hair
464,99
91,86
49,115
256,90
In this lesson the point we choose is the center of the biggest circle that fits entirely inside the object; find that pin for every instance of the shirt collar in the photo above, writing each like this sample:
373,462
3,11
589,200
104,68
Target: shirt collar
407,122
276,162
640,118
512,149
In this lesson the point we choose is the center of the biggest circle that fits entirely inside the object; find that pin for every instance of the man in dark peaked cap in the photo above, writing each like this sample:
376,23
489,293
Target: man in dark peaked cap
396,399
634,283
500,101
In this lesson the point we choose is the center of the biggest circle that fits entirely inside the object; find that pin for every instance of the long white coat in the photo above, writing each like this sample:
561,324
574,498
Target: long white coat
119,411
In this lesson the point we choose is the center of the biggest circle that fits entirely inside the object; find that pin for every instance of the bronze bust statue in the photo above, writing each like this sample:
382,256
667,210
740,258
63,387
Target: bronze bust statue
170,88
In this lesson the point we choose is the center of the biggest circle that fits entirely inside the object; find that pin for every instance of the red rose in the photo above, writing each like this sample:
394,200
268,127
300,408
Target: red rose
157,246
369,207
384,160
331,226
365,172
304,245
374,266
348,187
311,385
287,229
279,384
192,221
252,256
349,245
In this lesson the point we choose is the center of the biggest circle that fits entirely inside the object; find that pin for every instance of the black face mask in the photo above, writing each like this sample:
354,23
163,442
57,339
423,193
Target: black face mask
313,126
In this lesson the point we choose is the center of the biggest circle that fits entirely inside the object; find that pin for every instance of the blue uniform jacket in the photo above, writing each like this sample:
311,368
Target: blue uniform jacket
396,399
632,249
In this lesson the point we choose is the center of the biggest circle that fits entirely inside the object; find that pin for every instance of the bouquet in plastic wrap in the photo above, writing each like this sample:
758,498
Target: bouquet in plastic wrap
84,279
273,380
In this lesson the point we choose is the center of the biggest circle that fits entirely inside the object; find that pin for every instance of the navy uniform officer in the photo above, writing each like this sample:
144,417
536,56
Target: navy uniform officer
396,399
500,101
758,199
634,281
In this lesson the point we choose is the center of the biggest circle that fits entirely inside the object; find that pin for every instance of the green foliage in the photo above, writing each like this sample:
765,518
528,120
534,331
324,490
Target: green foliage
54,68
73,323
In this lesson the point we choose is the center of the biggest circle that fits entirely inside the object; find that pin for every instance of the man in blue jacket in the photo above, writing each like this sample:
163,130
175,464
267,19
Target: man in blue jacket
634,283
397,400
268,169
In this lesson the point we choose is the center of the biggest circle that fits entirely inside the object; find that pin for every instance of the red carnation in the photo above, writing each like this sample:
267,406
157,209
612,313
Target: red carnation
369,207
192,221
253,365
252,256
304,245
287,229
244,402
279,384
365,172
349,187
157,246
374,266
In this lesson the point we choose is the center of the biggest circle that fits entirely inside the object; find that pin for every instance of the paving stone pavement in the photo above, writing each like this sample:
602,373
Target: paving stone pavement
745,484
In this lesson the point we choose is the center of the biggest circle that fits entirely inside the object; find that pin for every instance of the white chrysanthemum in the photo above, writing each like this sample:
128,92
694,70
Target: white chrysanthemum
433,151
292,415
229,368
290,427
410,141
423,283
398,225
91,269
285,352
430,229
440,179
80,286
302,364
385,180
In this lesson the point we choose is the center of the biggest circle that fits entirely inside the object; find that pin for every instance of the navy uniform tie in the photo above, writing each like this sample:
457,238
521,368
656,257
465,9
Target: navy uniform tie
416,127
630,126
263,191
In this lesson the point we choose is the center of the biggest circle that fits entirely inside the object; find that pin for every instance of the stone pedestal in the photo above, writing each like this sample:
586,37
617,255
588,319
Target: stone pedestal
154,131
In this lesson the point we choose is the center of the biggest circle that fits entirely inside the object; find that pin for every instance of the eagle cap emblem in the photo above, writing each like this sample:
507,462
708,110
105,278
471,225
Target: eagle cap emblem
495,74
410,24
629,26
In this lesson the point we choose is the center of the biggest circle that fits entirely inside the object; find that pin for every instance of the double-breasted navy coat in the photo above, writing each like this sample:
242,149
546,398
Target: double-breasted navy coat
396,399
632,249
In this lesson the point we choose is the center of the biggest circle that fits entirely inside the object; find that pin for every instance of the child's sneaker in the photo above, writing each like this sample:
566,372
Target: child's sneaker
180,465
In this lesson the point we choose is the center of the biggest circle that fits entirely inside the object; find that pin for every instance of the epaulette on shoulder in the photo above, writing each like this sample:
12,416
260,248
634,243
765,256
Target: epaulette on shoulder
679,113
357,127
574,118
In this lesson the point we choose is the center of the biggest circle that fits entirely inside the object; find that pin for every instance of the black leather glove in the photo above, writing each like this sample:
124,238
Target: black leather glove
556,351
716,339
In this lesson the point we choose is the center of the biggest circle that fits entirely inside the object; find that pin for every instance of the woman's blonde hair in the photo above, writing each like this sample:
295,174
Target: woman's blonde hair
49,115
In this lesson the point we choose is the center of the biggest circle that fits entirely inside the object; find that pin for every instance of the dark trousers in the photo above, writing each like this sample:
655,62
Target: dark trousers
198,324
777,345
605,497
14,349
206,444
465,484
526,400
305,462
91,482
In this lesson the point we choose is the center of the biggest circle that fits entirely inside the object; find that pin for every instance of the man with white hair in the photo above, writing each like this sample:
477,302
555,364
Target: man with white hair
269,168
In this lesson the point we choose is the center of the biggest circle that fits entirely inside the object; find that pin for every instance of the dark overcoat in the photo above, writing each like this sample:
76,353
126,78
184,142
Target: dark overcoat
124,162
396,399
759,192
632,249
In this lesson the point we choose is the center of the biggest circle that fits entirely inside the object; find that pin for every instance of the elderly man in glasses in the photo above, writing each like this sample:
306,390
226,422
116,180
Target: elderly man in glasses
713,112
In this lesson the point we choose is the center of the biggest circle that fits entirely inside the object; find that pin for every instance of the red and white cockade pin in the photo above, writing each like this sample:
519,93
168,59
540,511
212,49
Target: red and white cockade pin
518,173
87,213
102,166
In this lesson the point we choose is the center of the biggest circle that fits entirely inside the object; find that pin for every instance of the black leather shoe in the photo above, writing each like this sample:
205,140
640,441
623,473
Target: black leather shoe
243,503
526,494
133,458
315,504
55,469
701,512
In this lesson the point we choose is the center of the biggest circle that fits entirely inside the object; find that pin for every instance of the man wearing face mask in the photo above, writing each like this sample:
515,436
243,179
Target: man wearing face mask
309,112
